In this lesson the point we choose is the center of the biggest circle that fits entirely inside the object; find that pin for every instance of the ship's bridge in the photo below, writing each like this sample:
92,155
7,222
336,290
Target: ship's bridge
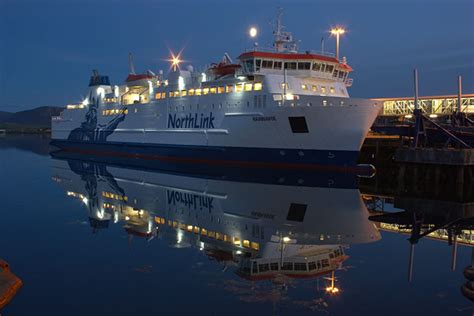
296,64
298,73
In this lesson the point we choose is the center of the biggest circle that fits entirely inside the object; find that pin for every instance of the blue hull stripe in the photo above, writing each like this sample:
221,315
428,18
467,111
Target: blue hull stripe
214,154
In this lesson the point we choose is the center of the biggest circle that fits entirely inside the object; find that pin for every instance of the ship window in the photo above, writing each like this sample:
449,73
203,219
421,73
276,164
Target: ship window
325,263
229,88
284,84
246,243
314,88
267,64
170,94
205,91
316,66
255,246
332,90
335,73
176,93
184,93
198,91
239,87
163,95
257,86
219,236
248,87
254,267
341,74
329,68
213,90
249,65
263,267
304,66
274,266
312,266
212,234
304,87
323,67
204,232
196,230
323,89
158,96
300,266
220,89
290,65
287,266
258,62
277,65
191,92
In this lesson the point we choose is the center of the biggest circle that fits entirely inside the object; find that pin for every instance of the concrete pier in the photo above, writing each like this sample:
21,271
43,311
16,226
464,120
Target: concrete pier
437,156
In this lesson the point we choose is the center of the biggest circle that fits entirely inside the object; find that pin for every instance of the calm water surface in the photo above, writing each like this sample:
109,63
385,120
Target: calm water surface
100,239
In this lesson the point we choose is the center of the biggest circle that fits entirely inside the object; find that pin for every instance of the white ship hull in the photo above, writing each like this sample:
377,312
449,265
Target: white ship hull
236,133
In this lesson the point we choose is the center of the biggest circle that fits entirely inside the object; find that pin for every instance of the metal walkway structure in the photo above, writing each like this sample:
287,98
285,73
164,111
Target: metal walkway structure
439,105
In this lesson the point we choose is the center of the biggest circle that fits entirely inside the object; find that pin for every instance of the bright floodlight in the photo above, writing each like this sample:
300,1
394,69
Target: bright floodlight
338,31
175,61
253,32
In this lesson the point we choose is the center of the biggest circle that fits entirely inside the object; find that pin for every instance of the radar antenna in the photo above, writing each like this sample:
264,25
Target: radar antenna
283,40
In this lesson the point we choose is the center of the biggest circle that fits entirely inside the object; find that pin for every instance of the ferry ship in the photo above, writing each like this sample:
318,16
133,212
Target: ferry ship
301,234
278,108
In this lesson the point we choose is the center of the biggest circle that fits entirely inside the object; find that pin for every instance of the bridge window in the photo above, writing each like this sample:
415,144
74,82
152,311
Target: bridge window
304,66
277,65
249,65
341,74
267,64
263,267
287,266
316,66
329,68
274,266
290,65
335,73
312,266
300,266
258,63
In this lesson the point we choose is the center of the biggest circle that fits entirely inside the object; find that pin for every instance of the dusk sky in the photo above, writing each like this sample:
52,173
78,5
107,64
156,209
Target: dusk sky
48,48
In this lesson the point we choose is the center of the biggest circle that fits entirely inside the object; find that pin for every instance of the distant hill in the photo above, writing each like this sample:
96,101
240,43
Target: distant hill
38,118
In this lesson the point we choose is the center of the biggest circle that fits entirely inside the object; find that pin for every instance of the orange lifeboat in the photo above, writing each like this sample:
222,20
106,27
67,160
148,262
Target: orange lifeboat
9,284
225,67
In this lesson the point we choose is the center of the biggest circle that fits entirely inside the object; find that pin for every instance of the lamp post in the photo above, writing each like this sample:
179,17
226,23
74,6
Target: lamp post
338,31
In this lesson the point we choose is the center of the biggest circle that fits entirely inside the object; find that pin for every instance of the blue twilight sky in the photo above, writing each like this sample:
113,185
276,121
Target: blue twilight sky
49,47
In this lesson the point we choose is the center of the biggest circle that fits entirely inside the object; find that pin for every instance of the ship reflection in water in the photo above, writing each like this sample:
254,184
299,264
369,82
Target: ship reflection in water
301,234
